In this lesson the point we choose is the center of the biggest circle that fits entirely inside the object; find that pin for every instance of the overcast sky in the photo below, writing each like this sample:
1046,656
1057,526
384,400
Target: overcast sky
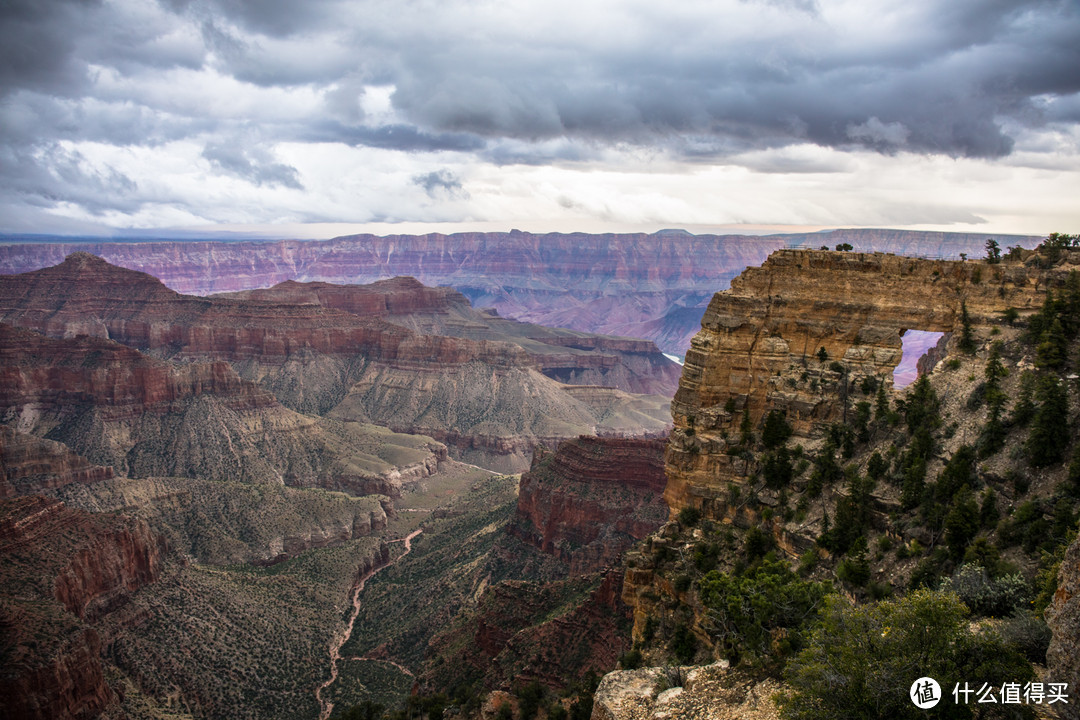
415,115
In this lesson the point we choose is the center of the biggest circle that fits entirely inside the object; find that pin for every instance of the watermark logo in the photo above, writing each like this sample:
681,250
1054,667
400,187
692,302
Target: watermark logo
925,693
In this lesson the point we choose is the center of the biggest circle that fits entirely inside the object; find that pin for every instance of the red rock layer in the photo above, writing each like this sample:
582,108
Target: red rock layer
590,500
525,631
44,374
396,296
29,464
70,687
625,363
85,295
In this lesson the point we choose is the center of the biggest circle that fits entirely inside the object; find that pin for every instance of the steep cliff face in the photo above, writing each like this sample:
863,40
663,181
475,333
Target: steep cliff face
122,409
63,567
590,500
554,633
653,286
759,344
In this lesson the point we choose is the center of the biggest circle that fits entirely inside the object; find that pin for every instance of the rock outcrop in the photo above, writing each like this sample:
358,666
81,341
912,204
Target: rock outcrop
794,333
29,464
652,286
710,692
554,633
1063,617
590,500
63,567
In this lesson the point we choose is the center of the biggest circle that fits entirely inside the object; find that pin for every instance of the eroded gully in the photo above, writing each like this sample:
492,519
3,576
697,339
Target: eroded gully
339,640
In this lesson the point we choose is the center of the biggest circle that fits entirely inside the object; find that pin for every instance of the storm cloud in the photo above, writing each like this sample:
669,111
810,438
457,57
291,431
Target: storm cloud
250,92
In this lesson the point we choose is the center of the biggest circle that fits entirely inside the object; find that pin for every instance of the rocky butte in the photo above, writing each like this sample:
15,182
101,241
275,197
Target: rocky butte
421,362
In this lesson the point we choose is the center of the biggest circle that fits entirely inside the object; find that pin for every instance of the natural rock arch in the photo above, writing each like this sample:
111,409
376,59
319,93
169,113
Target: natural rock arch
759,345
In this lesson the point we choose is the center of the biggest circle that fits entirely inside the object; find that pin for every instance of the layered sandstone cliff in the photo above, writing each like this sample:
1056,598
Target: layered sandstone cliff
568,356
141,416
799,332
489,398
29,464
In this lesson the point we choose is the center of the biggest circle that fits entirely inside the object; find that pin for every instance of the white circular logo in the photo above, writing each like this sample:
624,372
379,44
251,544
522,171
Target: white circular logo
925,693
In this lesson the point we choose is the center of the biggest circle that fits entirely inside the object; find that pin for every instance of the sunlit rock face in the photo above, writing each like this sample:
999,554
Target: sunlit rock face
799,332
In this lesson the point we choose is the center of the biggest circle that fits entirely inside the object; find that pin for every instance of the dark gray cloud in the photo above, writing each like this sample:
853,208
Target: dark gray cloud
399,136
520,83
940,84
442,183
52,175
252,164
37,42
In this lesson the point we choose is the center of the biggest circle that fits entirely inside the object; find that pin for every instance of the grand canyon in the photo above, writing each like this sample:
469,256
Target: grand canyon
303,495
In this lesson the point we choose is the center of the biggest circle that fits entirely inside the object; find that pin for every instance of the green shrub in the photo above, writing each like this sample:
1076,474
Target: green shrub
984,595
683,644
689,516
630,660
861,660
1029,634
746,607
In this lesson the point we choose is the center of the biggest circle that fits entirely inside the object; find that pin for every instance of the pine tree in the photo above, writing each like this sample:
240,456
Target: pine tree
1049,427
776,430
922,408
967,337
1024,409
962,522
993,434
881,405
1053,347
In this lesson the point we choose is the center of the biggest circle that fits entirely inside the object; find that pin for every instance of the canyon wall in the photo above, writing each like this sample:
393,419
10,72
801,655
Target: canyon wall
71,567
29,464
590,500
652,286
799,332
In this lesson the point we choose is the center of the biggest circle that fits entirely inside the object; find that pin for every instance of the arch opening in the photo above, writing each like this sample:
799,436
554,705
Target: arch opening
915,343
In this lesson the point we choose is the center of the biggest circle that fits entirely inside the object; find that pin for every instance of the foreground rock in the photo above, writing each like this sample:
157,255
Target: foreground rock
1063,617
710,692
